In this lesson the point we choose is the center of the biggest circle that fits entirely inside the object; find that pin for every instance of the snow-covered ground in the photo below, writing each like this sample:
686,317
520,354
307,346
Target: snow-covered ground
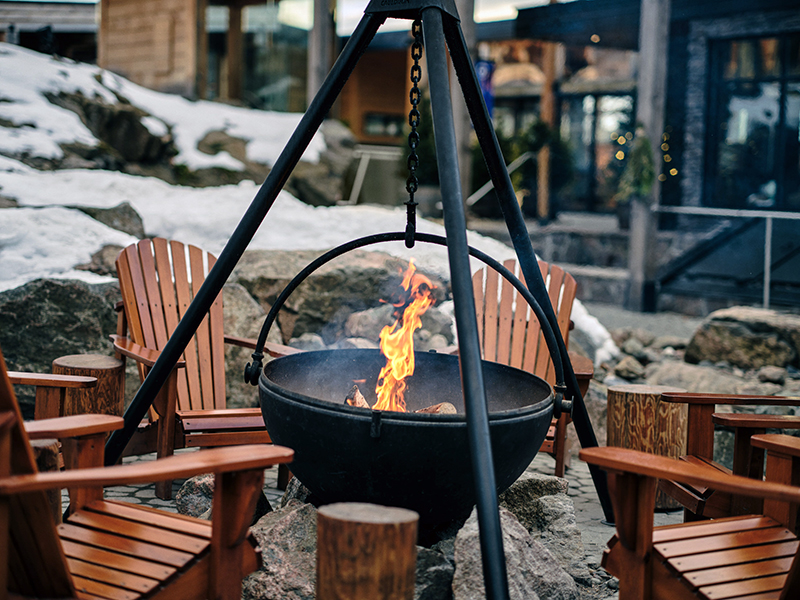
46,237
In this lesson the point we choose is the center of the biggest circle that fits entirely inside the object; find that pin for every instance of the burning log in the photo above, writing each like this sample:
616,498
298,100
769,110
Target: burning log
443,408
356,398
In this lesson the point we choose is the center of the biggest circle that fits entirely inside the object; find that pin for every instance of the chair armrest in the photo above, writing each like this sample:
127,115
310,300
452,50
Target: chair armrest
55,381
774,442
72,426
217,460
728,399
660,467
275,350
146,356
757,421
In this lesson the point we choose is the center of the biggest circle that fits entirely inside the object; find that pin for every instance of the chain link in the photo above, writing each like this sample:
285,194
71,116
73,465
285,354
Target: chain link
412,182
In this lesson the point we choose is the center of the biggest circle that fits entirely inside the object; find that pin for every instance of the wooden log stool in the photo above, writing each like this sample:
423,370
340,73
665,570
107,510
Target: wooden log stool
107,398
366,551
638,419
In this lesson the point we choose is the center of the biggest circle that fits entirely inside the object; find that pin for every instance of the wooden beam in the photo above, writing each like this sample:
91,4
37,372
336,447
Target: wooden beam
320,47
235,54
651,98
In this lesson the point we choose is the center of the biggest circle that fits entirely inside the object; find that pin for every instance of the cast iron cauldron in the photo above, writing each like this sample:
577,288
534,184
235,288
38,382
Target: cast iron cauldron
415,461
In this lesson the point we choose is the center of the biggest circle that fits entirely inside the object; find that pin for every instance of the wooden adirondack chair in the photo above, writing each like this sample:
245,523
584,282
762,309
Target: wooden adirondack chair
114,550
703,501
511,335
753,557
158,284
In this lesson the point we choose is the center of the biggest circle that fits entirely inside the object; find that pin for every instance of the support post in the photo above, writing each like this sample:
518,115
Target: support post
320,47
235,54
651,98
491,534
244,232
521,241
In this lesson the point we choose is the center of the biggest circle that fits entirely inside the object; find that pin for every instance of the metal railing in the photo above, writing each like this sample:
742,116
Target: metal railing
768,215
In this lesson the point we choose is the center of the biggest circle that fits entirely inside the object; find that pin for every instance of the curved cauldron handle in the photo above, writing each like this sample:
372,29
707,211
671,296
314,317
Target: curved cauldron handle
253,370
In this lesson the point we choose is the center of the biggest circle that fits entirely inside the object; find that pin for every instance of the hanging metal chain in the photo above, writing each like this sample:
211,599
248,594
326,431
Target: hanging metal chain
412,183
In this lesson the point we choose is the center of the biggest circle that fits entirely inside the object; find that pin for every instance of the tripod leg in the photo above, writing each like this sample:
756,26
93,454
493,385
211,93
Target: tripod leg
519,236
491,535
244,232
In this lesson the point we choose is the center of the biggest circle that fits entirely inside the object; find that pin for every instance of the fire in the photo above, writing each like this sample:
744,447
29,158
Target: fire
397,340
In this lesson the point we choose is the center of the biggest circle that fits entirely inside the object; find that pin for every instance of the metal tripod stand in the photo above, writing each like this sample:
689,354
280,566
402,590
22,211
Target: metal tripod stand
441,30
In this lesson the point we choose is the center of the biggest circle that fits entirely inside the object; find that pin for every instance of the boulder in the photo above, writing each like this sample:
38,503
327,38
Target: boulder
629,368
521,496
541,505
121,217
434,576
747,337
356,281
103,261
48,318
196,497
243,317
369,323
288,540
532,571
692,378
119,126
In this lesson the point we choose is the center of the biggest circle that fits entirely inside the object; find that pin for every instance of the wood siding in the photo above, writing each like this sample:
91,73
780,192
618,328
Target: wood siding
152,42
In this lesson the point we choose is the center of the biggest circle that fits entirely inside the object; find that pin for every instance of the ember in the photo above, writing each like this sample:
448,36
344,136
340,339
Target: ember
397,340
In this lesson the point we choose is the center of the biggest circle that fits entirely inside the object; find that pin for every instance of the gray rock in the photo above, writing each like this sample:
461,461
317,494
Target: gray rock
532,571
288,540
747,337
772,374
559,533
669,341
353,282
436,331
355,343
295,491
520,499
45,319
541,505
196,497
242,317
103,261
119,126
693,378
629,368
121,217
633,347
308,341
434,576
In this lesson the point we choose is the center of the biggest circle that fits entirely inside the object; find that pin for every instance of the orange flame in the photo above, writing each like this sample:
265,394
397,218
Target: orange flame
397,340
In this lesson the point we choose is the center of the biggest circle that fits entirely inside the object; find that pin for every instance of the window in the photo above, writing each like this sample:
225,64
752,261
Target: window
754,130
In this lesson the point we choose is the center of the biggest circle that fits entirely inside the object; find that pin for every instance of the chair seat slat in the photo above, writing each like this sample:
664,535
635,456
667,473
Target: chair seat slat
162,520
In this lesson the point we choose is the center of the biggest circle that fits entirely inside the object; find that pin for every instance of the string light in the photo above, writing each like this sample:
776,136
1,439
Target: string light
620,155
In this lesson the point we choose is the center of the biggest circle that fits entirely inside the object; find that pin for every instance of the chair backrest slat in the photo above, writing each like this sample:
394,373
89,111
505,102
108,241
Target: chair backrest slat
511,332
505,320
215,323
166,284
184,296
35,560
477,291
490,316
159,284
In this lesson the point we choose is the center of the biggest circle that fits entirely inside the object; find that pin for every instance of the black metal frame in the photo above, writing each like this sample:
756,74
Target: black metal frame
441,30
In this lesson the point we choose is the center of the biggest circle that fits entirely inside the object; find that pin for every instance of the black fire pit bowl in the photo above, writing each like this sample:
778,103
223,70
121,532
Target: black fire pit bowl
415,461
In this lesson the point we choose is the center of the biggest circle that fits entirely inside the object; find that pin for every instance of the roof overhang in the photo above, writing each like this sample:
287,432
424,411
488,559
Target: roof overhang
615,23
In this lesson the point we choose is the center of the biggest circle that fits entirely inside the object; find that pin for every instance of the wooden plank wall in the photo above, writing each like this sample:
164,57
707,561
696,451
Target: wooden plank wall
152,42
